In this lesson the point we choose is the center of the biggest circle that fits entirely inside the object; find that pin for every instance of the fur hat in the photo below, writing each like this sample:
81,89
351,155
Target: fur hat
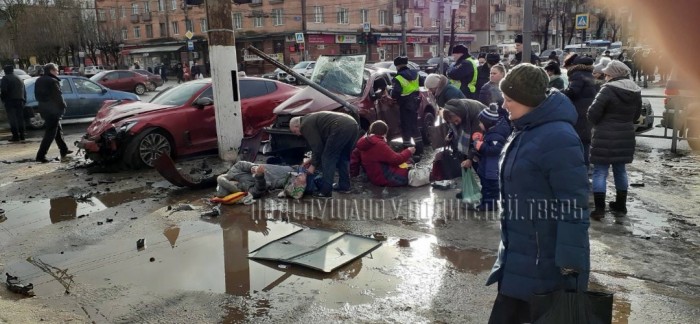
526,84
493,58
400,60
617,69
461,49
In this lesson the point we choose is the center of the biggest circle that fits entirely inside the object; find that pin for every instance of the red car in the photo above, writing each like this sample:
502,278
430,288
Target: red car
179,121
122,80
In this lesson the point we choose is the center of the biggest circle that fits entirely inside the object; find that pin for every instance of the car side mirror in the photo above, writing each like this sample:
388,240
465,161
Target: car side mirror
104,90
203,102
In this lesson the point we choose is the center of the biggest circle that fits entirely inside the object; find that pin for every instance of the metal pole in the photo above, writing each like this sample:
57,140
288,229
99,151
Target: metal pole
304,53
441,42
224,75
527,31
404,44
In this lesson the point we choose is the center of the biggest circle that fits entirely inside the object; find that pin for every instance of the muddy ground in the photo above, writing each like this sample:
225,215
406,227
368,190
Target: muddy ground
72,232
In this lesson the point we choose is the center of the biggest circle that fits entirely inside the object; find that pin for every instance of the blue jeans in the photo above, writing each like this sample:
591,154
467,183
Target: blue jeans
600,176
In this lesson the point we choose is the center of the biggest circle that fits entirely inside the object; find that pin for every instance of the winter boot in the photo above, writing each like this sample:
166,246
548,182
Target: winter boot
419,146
599,212
620,204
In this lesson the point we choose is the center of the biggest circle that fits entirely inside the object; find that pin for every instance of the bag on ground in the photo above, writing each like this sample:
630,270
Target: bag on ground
471,192
418,177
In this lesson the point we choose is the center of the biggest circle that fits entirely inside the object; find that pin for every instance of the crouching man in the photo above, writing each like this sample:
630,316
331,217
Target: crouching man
256,179
332,137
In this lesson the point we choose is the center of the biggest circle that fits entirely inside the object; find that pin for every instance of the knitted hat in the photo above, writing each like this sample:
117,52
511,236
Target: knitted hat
493,58
489,116
432,81
526,84
598,68
401,60
617,69
461,49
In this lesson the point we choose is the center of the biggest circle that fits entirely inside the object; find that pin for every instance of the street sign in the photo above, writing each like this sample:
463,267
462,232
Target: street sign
366,27
582,21
299,38
81,54
189,34
190,45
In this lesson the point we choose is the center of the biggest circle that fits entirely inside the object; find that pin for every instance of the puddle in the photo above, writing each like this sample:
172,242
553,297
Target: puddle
470,260
26,216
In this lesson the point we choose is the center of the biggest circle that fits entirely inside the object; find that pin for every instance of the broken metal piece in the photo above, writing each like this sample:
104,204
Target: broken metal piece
214,212
141,244
167,169
14,285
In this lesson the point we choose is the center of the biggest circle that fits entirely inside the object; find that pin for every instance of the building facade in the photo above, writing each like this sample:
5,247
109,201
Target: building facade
496,21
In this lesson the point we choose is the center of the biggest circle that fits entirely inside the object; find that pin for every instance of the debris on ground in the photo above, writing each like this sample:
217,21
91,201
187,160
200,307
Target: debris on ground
214,212
404,242
141,244
379,236
152,259
639,184
183,207
14,285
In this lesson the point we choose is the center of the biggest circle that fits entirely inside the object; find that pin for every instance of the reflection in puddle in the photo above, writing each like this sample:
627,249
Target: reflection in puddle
470,260
171,233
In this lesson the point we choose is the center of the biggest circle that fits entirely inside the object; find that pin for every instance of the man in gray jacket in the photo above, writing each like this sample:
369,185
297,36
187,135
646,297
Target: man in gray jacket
14,96
256,179
51,107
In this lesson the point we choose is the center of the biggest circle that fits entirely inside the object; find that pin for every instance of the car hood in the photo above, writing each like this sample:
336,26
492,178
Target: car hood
309,100
112,112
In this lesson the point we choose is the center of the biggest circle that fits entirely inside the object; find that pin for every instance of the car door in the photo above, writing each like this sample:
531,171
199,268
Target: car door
90,95
201,124
388,108
111,80
73,108
255,105
127,81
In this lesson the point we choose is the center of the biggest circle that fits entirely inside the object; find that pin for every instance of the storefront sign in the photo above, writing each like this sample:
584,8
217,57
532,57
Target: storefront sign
389,39
321,39
418,39
345,39
251,57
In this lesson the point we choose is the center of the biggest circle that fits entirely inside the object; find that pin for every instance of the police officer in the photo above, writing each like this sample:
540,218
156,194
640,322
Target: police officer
463,72
405,90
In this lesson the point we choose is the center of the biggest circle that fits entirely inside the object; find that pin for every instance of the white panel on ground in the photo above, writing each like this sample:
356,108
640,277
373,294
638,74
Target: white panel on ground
229,120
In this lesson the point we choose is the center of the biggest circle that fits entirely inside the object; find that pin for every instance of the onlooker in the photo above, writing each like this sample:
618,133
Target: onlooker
463,72
519,53
463,117
383,166
405,90
554,58
164,72
137,66
490,93
542,162
331,136
554,72
439,86
484,71
613,113
496,132
47,91
180,73
14,96
581,91
481,59
598,75
255,179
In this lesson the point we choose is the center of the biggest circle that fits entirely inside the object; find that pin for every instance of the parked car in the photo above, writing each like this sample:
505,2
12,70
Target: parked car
122,80
366,88
389,65
83,97
178,121
91,70
35,70
155,81
305,68
431,65
545,54
19,73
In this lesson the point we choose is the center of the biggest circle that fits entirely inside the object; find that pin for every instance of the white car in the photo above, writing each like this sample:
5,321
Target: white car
305,68
93,69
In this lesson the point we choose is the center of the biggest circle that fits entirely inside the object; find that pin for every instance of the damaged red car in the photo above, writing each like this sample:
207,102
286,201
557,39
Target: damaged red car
179,121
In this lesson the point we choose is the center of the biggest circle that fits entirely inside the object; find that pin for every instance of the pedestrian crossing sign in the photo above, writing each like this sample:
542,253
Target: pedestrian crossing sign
582,21
299,38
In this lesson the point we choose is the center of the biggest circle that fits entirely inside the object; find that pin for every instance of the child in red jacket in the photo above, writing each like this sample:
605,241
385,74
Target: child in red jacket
383,166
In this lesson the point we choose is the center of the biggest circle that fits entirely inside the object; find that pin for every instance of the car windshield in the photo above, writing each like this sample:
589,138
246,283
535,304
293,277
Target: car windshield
301,65
179,95
340,74
99,76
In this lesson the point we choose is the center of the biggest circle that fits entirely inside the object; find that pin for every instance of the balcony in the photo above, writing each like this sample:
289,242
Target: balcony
276,1
501,27
500,7
419,4
255,3
134,19
146,16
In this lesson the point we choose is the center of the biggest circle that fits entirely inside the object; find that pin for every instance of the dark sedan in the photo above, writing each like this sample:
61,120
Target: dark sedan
83,97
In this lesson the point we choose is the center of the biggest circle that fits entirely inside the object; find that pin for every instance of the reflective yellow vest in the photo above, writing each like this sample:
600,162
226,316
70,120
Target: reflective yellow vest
472,83
408,87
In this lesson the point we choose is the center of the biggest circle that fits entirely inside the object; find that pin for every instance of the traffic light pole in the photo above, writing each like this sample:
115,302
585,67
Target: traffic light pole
224,75
527,31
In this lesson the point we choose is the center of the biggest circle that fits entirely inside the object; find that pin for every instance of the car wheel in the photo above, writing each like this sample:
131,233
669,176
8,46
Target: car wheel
145,149
140,89
152,86
36,122
428,120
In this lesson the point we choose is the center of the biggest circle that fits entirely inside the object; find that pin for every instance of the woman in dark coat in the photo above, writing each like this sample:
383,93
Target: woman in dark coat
612,115
554,71
541,164
463,117
581,91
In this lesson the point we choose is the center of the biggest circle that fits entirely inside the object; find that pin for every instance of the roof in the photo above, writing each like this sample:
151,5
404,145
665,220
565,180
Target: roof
142,50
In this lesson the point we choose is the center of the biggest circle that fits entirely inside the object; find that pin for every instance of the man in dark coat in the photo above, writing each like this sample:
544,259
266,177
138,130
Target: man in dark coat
519,53
164,72
463,72
613,113
581,91
484,71
47,91
331,136
406,91
544,196
14,96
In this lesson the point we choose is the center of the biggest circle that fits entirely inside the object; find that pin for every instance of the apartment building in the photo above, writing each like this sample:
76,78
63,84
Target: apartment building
496,21
153,31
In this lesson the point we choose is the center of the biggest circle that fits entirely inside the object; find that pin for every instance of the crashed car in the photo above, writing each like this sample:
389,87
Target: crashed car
365,87
178,121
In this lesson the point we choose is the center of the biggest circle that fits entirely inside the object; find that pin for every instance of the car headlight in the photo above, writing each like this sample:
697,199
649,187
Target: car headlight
124,128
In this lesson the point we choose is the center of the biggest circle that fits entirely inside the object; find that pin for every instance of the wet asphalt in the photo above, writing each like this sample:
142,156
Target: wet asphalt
72,232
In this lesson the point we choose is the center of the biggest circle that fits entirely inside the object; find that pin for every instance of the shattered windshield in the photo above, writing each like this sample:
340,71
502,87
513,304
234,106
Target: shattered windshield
340,74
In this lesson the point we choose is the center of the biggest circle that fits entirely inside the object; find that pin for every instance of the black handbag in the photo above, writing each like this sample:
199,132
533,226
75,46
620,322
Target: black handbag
447,165
573,307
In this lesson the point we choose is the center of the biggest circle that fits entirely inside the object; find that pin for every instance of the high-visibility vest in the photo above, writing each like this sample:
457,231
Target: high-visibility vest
472,83
408,87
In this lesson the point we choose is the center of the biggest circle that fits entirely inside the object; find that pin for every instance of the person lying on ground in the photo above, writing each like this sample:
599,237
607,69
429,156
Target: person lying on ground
257,179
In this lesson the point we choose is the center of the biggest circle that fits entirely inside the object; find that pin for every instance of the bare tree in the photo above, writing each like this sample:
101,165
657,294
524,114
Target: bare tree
549,10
